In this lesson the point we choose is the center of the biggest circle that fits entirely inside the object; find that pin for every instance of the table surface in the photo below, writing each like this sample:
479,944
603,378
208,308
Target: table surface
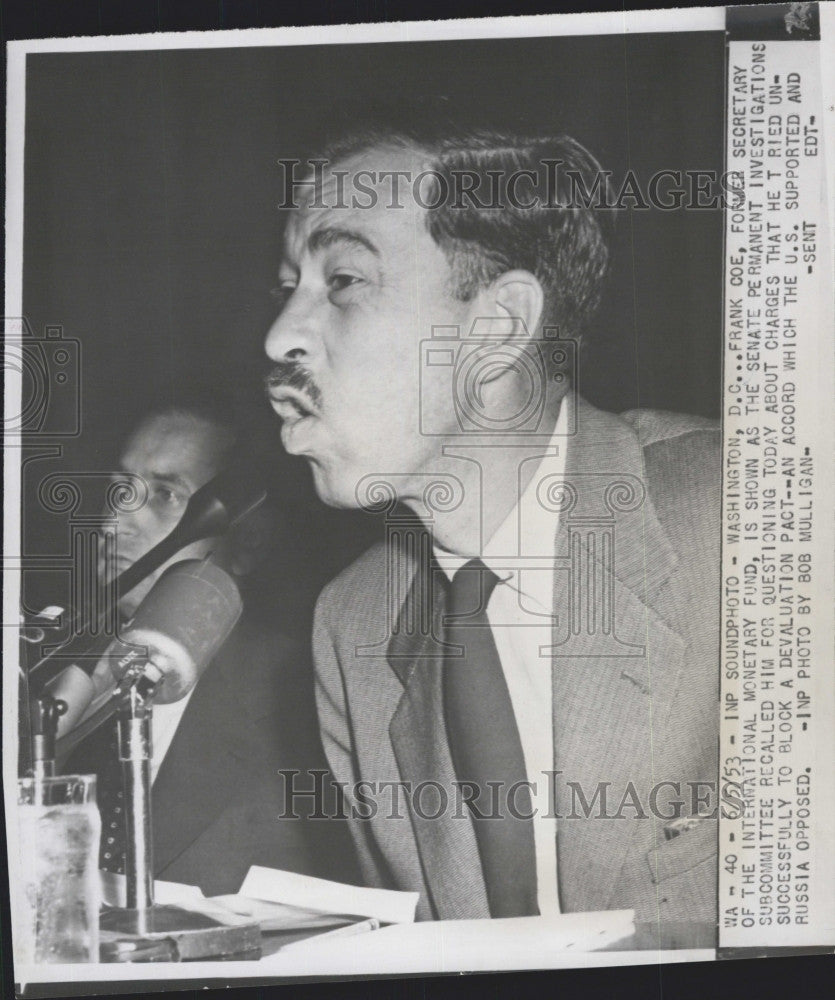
429,947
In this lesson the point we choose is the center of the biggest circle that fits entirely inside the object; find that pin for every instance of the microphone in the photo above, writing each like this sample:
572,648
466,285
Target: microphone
184,620
218,506
176,631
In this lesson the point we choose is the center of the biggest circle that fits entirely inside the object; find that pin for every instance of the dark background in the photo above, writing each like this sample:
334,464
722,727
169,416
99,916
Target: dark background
152,236
771,978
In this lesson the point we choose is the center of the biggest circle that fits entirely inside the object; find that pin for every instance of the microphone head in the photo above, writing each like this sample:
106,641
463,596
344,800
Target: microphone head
223,502
183,621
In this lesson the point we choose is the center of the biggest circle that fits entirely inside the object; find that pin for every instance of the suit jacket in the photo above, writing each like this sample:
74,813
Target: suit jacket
218,799
635,705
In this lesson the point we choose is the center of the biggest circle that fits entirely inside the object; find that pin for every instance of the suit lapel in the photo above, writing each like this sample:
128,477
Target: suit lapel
447,845
611,688
185,803
611,684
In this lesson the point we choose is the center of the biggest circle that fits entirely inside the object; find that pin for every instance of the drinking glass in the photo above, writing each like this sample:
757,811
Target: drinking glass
57,907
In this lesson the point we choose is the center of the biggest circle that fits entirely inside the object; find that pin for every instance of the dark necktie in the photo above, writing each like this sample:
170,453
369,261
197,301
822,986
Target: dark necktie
485,746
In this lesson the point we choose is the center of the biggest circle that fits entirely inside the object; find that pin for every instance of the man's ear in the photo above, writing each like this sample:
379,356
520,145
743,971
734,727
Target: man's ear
510,308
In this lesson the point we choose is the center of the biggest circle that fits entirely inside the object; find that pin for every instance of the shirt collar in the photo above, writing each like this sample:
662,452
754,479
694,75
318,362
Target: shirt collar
515,552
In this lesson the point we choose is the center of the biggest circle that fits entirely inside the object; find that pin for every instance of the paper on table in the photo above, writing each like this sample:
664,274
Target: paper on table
472,940
460,946
478,945
387,905
279,916
114,892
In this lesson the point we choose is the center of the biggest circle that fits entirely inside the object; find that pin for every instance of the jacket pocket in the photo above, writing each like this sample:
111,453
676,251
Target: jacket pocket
684,852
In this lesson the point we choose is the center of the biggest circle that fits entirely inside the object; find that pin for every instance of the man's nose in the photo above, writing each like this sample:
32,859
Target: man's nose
292,336
129,525
133,522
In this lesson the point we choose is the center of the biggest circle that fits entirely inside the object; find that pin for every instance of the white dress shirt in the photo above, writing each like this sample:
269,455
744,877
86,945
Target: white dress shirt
164,723
520,612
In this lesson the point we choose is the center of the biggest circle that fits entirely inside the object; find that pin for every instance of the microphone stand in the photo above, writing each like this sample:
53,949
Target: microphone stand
194,935
134,726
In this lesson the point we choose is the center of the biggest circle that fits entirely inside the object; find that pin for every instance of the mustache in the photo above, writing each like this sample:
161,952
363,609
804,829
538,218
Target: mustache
295,376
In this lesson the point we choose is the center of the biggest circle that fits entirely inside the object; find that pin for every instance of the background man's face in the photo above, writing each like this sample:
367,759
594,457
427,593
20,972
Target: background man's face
175,454
364,287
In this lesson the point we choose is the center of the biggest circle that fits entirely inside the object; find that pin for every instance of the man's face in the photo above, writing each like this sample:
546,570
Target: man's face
362,287
175,454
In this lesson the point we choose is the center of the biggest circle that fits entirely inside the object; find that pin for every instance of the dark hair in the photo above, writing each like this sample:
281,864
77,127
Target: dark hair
560,238
207,402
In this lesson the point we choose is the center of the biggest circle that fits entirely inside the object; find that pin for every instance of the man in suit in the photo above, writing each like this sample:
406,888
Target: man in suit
532,666
218,802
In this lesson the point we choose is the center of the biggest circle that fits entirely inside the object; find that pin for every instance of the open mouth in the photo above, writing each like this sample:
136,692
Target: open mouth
291,405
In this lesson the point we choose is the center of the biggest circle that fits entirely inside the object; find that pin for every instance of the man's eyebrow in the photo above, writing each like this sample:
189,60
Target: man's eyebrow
321,239
171,479
167,478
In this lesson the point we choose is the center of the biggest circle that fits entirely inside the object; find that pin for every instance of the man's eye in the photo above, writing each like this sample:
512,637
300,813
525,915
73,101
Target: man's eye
168,497
340,281
282,293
